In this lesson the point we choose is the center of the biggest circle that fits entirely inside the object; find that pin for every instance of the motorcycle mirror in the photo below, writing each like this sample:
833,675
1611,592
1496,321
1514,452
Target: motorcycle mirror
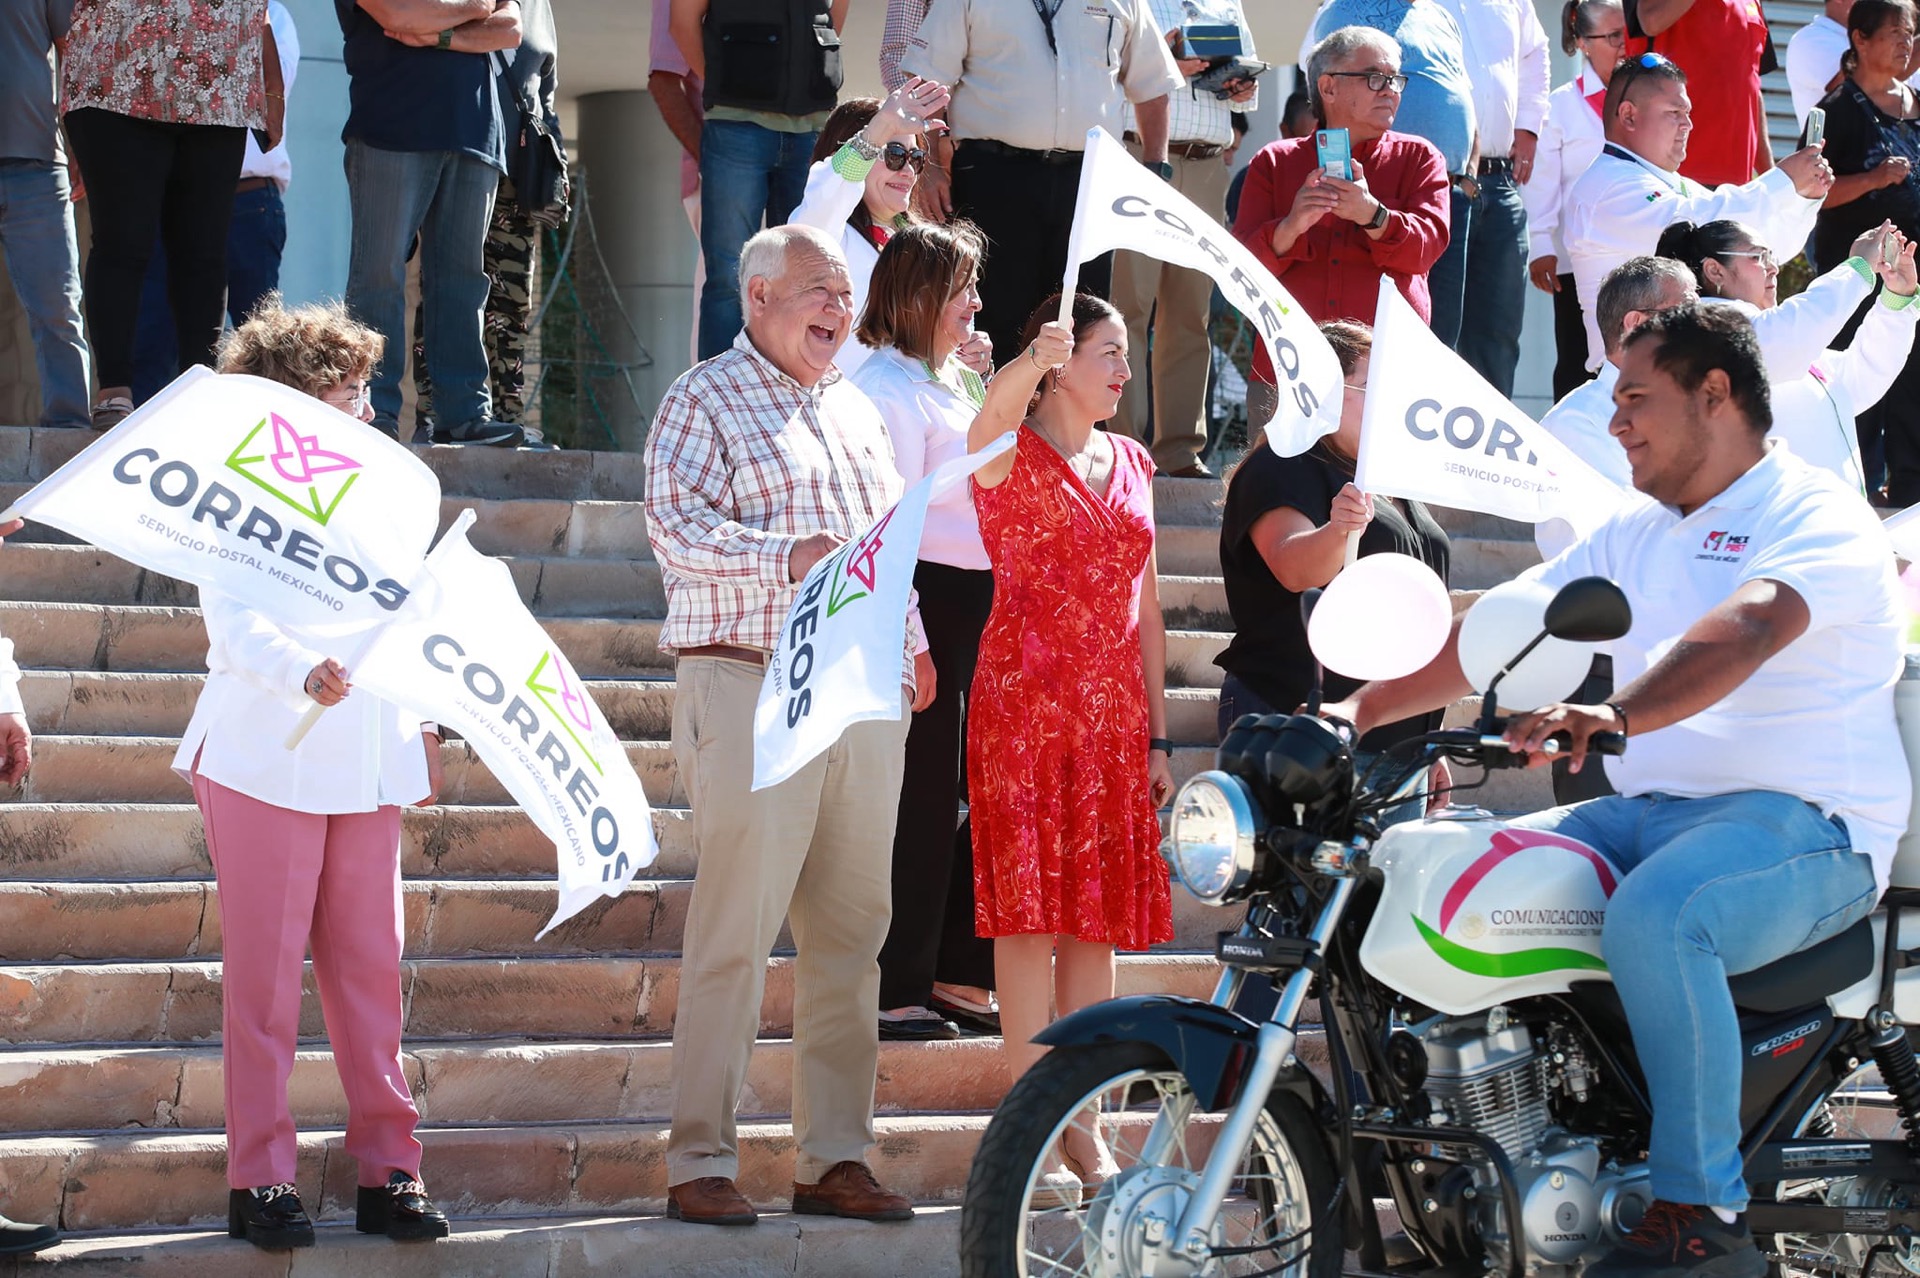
1589,610
1309,600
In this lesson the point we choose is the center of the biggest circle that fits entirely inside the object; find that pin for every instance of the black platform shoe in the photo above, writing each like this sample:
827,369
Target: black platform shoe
271,1217
401,1210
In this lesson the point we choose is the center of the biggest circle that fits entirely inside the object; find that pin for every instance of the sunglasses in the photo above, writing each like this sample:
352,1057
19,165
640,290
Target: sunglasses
1651,61
1378,81
897,156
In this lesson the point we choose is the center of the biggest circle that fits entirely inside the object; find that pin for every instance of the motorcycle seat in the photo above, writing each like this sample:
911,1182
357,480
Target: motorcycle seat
1804,978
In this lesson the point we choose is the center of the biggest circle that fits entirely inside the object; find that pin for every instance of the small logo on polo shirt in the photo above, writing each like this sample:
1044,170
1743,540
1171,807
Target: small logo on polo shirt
1723,547
1654,195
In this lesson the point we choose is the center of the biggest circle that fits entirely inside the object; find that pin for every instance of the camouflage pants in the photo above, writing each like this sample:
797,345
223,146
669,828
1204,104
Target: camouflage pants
511,242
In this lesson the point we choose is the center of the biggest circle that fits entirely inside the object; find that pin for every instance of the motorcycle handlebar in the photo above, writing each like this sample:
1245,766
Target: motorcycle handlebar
1496,754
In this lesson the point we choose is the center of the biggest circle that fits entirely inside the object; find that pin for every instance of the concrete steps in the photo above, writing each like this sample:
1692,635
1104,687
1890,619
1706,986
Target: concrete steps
559,996
543,1070
505,1247
53,921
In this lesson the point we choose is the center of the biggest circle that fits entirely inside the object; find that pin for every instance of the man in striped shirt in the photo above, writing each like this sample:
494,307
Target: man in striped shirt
762,461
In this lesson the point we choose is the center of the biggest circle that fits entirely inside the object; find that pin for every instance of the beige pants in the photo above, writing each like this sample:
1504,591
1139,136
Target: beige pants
816,849
1175,299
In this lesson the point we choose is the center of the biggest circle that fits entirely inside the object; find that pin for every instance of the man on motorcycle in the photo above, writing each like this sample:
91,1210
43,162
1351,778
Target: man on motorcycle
1765,788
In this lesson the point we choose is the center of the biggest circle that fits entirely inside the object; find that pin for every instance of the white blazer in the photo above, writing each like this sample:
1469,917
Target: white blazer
829,201
361,754
1570,140
1621,204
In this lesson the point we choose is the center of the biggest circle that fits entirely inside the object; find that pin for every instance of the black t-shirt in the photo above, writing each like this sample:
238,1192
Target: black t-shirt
1859,136
1269,650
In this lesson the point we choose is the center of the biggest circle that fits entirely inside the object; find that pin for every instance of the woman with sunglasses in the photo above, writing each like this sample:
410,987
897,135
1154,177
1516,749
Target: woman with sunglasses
868,159
1816,400
1570,140
1873,143
305,845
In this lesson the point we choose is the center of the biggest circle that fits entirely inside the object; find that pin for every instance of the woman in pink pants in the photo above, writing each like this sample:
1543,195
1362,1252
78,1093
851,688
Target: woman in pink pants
306,849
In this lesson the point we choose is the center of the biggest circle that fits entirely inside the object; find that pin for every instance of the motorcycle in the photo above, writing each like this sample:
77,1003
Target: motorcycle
1475,1066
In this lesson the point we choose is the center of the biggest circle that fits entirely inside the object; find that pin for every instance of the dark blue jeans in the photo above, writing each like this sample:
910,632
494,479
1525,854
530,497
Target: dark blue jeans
1447,279
43,260
1496,282
749,176
255,242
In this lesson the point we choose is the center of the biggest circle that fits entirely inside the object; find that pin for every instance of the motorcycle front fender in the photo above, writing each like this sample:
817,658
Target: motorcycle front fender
1210,1045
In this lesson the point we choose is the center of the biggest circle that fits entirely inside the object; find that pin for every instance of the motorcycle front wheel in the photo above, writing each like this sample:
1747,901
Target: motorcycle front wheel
1025,1217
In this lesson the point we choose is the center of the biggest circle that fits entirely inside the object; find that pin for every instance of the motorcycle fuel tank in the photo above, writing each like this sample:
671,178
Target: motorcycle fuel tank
1474,913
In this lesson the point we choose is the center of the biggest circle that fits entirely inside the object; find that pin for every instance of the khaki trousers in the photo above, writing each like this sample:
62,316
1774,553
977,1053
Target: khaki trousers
817,849
1175,300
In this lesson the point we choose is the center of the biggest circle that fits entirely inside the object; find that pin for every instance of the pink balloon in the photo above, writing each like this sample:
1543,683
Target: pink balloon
1384,616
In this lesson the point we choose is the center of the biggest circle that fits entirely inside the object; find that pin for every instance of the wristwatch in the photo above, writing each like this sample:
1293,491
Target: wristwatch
1164,168
1379,218
446,39
866,150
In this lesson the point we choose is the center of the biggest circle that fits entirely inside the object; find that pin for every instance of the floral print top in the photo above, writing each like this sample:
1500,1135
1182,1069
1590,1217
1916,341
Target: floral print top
177,61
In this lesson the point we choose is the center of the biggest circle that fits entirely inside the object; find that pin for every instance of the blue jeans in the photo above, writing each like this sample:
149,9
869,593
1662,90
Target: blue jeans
43,260
1447,278
1709,888
1496,281
749,175
446,199
255,241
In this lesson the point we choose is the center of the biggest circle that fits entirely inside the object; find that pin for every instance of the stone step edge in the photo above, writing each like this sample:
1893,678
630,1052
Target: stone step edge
808,1246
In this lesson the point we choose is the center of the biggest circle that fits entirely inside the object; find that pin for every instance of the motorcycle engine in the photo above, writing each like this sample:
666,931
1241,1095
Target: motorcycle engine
1487,1075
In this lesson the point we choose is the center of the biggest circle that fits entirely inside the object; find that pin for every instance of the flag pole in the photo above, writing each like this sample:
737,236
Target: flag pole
461,522
1071,283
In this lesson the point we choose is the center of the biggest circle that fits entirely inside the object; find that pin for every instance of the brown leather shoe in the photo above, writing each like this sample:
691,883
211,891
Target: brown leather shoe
849,1189
710,1200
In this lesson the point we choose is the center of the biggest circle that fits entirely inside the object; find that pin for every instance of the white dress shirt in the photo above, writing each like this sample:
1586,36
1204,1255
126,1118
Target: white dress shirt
1570,140
829,200
1507,63
1580,421
361,754
928,419
1813,59
1621,204
1814,414
276,164
1010,87
10,702
1797,332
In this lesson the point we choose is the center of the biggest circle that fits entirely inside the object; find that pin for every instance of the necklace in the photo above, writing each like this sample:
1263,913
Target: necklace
1084,462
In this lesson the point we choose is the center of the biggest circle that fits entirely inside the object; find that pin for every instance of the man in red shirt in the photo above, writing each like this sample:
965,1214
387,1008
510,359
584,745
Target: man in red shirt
1724,47
1329,240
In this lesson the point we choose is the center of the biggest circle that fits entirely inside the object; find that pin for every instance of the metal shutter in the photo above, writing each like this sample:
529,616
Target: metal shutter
1785,17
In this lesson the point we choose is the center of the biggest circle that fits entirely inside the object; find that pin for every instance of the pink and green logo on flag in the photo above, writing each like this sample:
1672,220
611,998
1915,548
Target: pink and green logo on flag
565,701
294,468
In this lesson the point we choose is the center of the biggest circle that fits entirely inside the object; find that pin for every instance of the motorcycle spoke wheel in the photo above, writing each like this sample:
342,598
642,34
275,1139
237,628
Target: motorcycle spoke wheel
1025,1215
1858,1107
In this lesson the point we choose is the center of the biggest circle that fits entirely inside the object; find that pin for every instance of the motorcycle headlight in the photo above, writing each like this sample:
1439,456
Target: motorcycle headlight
1213,833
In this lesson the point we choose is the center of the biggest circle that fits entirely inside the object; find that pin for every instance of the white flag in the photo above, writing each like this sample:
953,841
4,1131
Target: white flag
839,657
1436,431
279,501
1122,205
468,654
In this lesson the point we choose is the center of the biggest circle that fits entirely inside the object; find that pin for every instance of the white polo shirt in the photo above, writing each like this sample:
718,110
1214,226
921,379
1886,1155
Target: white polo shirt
1816,720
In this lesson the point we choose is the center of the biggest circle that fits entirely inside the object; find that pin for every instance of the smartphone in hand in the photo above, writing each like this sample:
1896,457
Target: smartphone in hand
1815,131
1336,152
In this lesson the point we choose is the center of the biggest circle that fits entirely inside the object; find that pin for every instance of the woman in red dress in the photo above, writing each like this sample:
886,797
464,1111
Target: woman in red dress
1066,764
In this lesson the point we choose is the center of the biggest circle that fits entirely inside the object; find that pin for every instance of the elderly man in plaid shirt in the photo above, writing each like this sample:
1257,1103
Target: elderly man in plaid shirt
761,462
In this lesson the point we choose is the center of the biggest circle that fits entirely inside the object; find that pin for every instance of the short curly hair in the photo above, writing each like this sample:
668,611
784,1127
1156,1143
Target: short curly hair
311,348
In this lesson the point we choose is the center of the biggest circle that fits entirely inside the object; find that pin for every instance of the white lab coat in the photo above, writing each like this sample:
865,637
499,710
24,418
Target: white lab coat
1620,205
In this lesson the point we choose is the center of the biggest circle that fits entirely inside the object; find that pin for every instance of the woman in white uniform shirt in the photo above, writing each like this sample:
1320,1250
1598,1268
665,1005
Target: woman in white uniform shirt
305,845
1814,411
934,970
1569,141
868,159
